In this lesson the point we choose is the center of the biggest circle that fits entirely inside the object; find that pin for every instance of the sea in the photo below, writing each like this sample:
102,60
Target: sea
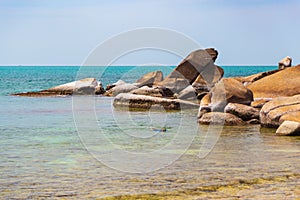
84,148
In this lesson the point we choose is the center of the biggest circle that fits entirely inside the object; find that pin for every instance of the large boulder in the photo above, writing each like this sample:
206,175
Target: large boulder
154,91
150,79
283,83
87,86
227,90
219,118
280,109
194,64
244,112
285,62
289,128
190,68
132,101
208,78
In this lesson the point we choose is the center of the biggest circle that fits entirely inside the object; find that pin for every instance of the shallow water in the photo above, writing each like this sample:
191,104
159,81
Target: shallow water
43,157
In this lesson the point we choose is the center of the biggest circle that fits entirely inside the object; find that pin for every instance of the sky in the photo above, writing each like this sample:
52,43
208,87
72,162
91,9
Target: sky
65,32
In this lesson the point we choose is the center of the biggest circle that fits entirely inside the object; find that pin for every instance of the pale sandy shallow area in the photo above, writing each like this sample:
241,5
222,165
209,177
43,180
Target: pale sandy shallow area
237,168
44,160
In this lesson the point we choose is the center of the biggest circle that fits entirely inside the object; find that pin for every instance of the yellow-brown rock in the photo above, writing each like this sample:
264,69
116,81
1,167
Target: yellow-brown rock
283,83
279,110
227,90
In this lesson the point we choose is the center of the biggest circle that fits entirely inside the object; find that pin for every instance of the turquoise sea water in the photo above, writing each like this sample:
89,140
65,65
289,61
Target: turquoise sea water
14,79
43,156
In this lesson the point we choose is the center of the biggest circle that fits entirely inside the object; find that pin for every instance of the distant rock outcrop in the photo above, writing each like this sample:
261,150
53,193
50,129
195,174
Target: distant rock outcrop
87,86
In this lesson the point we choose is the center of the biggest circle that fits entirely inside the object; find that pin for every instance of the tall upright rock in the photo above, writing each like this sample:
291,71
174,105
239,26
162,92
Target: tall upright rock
190,68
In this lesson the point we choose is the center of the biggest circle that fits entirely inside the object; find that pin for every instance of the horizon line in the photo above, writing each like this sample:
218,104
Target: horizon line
226,65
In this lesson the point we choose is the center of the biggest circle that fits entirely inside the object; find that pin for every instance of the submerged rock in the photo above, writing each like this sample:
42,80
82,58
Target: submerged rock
283,83
279,109
150,79
289,128
87,86
219,118
132,101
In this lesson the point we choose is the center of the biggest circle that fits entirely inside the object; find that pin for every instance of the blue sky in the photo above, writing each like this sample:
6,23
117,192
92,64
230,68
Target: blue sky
64,32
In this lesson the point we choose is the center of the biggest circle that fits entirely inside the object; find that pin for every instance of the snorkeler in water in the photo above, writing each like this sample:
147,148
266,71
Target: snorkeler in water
163,129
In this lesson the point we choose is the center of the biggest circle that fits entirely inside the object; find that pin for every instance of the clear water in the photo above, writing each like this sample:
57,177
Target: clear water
43,156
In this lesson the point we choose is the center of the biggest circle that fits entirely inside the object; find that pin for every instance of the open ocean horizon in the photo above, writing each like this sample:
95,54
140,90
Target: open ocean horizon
43,157
16,79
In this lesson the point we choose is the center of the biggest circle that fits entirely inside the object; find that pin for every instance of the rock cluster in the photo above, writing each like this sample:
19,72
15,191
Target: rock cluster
270,98
196,74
